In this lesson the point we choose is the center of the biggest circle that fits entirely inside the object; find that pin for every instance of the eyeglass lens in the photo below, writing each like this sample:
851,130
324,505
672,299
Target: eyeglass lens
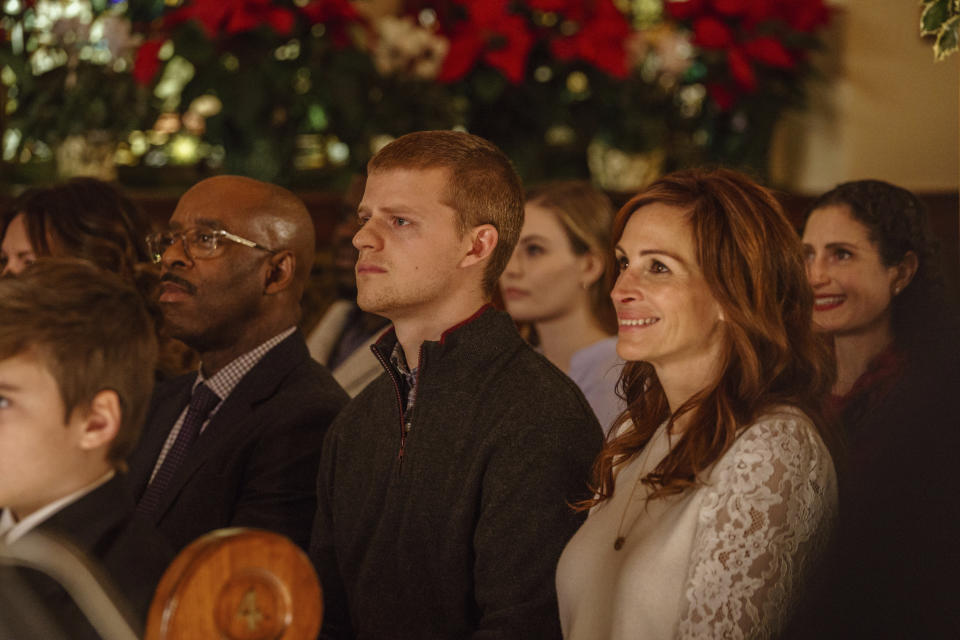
197,242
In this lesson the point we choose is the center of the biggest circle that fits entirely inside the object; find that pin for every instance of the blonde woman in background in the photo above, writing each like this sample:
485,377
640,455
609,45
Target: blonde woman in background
558,283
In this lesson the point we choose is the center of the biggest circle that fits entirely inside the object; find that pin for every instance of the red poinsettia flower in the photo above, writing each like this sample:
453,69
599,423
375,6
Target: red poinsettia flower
806,16
548,5
731,7
721,95
758,11
770,52
712,33
745,31
741,70
600,38
684,9
233,16
336,15
491,33
147,63
324,11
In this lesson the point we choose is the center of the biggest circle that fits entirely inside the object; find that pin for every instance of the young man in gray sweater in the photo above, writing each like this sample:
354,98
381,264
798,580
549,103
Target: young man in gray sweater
444,487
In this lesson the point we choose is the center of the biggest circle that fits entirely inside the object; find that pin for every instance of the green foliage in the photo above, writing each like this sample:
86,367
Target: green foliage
935,13
941,19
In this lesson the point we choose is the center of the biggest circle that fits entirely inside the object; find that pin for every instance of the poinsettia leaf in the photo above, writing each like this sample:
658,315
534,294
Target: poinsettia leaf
934,14
948,40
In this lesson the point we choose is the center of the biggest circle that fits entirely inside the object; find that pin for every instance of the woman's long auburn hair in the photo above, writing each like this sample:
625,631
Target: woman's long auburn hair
752,260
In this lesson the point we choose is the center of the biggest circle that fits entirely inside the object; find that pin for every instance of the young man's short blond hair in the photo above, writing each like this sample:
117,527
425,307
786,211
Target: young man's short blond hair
483,186
91,331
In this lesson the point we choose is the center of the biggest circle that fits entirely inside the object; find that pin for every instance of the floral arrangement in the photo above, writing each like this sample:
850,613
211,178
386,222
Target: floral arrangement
306,90
56,60
754,56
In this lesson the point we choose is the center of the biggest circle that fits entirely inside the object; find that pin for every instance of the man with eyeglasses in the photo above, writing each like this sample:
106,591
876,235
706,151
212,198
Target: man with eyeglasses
237,443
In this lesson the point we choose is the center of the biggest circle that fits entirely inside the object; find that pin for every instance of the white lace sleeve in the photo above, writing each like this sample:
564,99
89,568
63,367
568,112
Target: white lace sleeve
770,504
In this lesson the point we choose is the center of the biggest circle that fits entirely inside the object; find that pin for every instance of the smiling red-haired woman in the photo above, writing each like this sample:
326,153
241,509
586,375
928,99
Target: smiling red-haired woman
716,492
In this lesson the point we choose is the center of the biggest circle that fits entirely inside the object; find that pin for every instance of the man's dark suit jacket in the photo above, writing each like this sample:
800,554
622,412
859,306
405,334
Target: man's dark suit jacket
255,464
129,551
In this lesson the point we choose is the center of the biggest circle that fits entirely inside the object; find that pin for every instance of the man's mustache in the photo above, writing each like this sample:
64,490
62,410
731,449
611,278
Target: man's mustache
180,282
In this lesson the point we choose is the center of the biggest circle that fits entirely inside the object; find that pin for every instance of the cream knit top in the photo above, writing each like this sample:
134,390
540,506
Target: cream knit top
722,560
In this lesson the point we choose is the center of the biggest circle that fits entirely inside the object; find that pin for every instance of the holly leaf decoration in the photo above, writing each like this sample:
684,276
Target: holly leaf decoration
949,38
935,13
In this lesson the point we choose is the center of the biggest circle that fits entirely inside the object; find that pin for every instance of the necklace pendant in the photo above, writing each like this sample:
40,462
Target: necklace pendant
618,543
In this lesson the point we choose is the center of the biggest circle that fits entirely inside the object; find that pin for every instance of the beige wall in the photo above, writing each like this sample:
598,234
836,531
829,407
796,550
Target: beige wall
884,110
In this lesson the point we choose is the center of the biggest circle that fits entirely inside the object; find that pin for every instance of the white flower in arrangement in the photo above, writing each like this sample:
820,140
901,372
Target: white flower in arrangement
661,51
113,33
69,32
404,47
62,19
206,106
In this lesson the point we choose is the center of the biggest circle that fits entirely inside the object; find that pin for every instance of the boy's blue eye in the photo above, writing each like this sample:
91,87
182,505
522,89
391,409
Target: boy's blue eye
4,402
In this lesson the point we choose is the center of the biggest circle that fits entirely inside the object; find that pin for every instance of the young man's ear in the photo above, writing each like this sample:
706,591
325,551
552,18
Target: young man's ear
281,269
100,423
483,240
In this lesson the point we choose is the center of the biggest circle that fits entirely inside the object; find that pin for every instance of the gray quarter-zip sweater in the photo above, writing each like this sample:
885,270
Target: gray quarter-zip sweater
453,528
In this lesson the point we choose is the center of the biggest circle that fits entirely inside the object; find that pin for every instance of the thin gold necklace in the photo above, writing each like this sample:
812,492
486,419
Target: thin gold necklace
622,537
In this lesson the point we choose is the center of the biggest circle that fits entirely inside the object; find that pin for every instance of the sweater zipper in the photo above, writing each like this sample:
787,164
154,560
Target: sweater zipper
396,388
403,423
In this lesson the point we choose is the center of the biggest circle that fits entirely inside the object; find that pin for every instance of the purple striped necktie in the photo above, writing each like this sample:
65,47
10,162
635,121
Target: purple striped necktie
201,404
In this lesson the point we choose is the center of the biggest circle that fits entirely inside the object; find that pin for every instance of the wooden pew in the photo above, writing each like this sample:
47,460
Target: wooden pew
237,584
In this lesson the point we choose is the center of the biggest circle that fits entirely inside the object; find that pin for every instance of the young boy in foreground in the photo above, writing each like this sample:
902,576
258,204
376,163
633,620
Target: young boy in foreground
77,357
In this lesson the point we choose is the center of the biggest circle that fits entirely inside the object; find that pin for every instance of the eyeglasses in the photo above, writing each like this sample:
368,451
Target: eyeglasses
198,242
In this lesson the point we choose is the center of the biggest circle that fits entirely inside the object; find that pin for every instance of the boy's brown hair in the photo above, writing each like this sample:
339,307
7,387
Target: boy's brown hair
92,332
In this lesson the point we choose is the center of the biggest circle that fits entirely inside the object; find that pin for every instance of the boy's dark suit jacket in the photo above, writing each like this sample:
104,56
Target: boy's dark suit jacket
129,551
255,463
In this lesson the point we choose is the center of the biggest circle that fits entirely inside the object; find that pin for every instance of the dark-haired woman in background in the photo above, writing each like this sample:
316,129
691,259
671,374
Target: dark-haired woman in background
872,262
717,491
83,218
90,219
